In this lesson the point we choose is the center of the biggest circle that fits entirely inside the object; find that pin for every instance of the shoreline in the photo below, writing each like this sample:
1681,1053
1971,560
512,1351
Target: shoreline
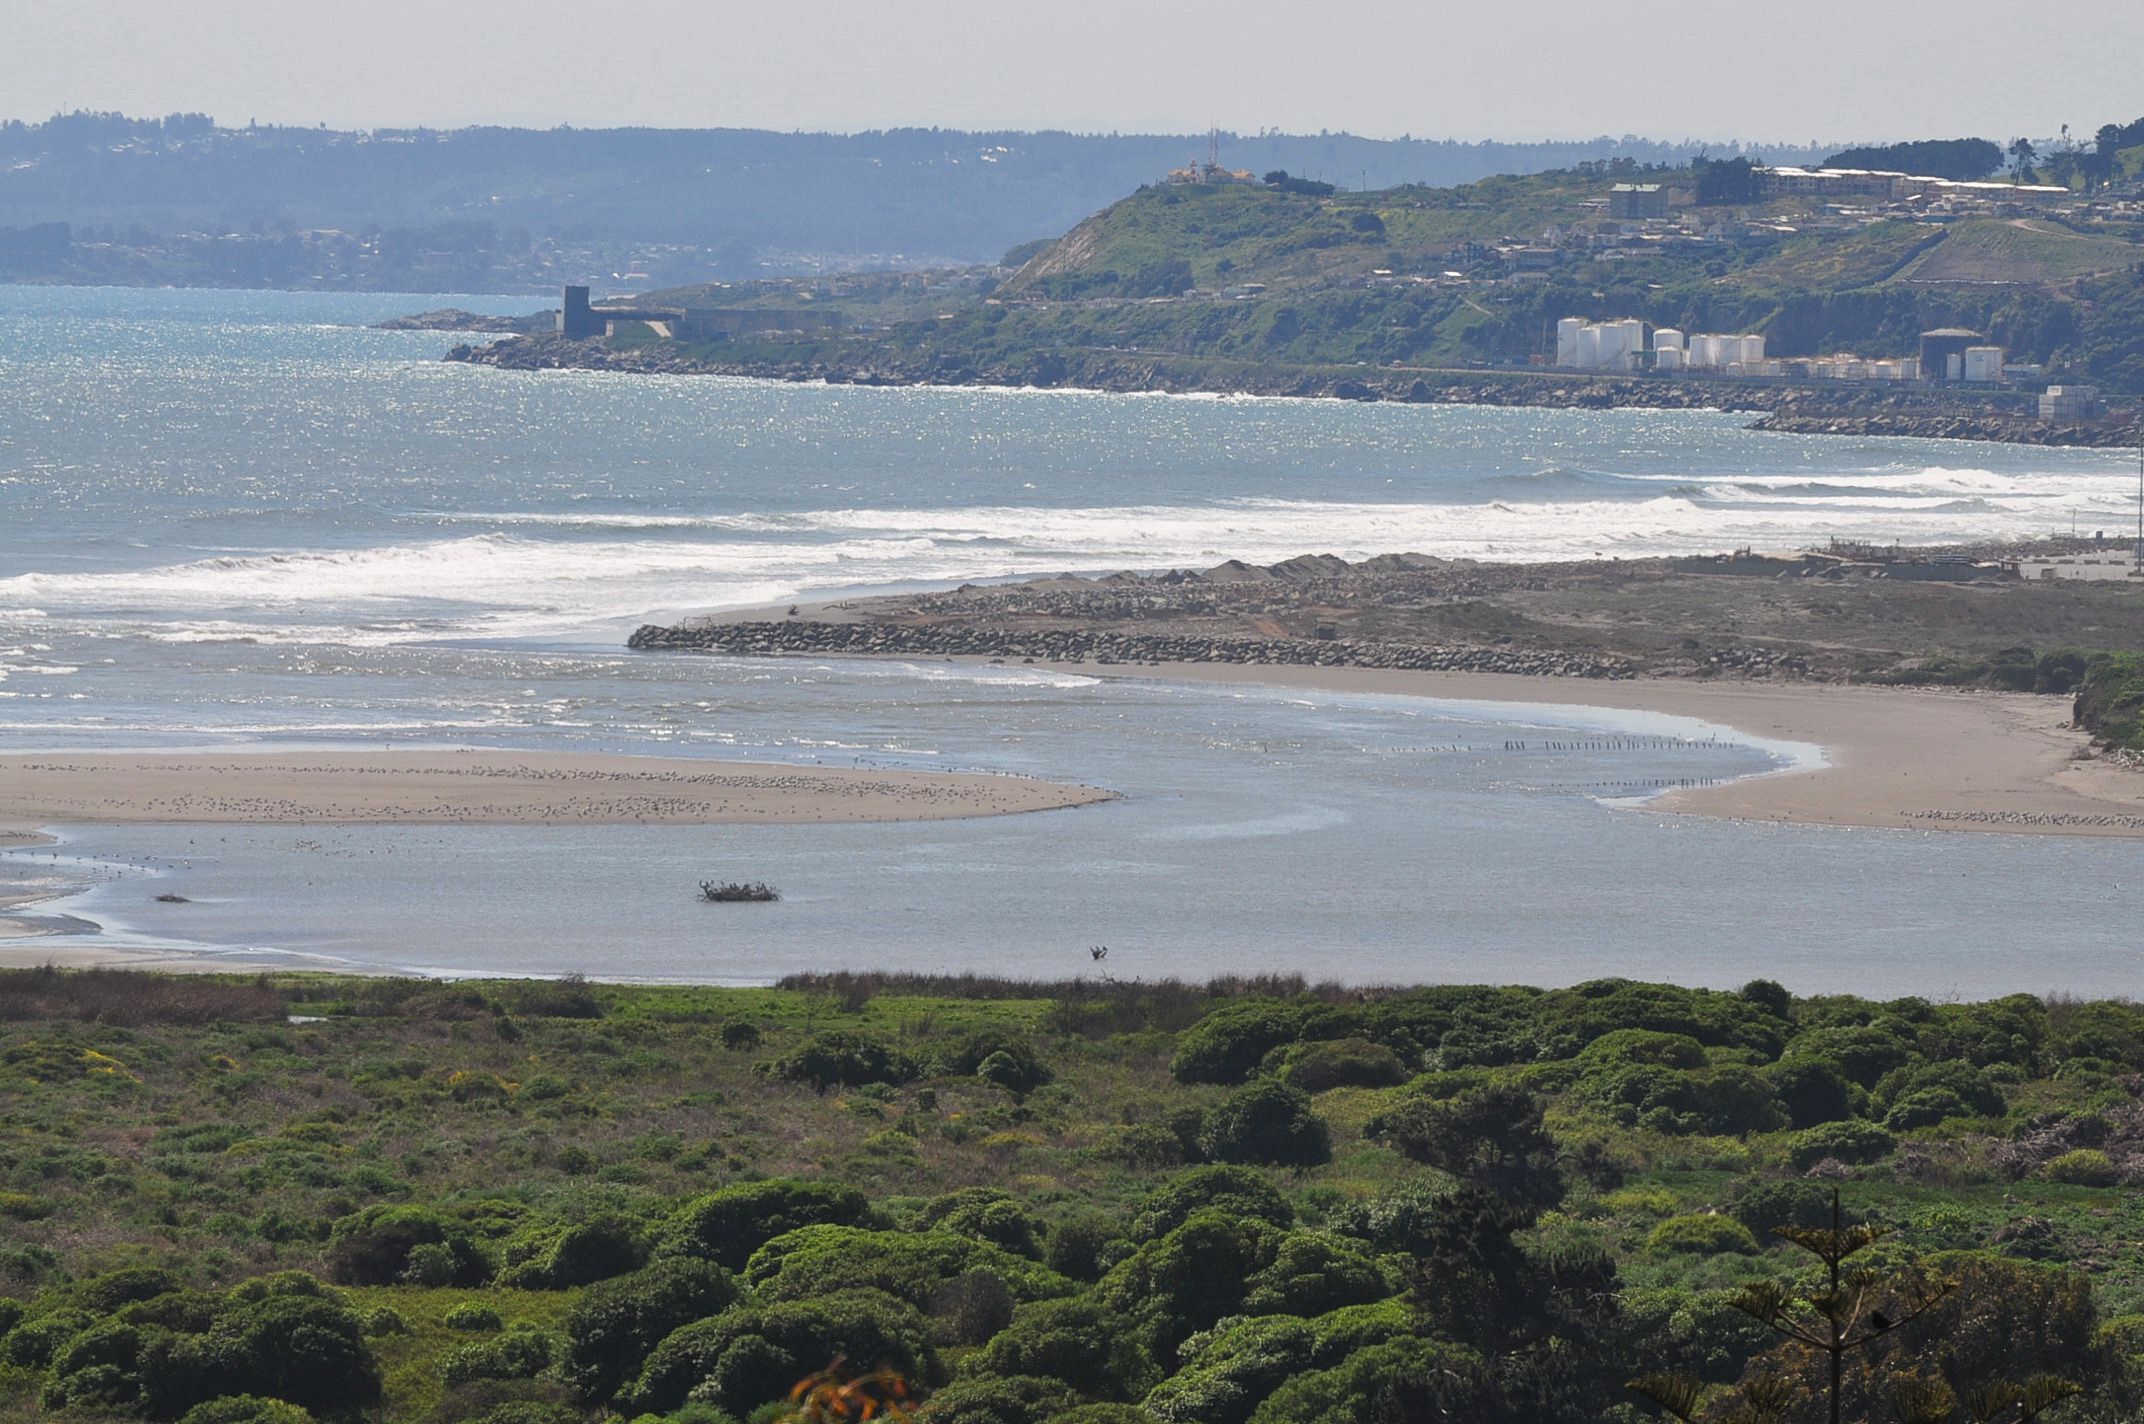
1909,759
1797,410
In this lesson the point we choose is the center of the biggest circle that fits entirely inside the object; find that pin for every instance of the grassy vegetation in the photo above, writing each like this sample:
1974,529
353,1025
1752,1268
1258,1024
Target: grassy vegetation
535,1203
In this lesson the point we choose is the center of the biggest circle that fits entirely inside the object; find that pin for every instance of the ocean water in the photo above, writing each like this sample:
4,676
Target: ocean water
232,518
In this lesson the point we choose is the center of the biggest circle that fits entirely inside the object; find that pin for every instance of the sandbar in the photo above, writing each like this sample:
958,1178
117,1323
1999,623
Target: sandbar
452,787
462,787
1899,758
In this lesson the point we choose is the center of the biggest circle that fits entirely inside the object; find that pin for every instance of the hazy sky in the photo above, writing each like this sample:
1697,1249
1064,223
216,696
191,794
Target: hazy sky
1783,70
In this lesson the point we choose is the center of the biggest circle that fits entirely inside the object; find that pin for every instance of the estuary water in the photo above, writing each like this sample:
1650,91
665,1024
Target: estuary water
245,518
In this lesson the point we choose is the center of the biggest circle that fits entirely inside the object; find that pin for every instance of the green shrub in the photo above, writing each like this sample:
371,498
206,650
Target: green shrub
1398,1220
1812,1090
1762,1204
1185,1281
997,1056
104,1294
1730,1100
727,1226
1075,1340
21,1206
1269,1123
1228,1376
1000,1399
33,1343
384,1320
1079,1246
615,1323
1408,1378
1863,1053
1104,1413
1923,1094
988,1215
842,1058
740,1035
1239,1191
1637,1045
519,1353
1340,1063
1313,1272
1492,1138
374,1248
1227,1044
2085,1167
751,1355
1849,1142
246,1409
909,1265
305,1349
472,1315
1702,1234
560,1255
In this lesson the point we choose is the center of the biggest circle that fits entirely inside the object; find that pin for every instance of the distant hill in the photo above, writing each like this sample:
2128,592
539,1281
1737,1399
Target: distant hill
532,206
1234,285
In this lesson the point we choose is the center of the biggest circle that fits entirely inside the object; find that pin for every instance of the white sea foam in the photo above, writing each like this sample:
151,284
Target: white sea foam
537,573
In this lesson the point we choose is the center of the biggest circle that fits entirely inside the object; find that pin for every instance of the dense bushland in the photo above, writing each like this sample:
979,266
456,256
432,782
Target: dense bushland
1092,1203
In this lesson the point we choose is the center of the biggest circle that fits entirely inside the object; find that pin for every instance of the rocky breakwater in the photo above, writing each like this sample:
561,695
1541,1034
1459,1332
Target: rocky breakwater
2008,418
2000,429
1102,646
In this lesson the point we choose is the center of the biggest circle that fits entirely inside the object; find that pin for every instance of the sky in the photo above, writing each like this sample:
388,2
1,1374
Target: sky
1786,70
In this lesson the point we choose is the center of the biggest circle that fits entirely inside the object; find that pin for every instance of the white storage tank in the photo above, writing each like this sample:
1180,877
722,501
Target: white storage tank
1667,358
1567,340
1667,338
1589,348
1984,363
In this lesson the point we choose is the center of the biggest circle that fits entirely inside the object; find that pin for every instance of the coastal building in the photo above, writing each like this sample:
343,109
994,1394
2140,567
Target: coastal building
1943,352
2071,403
1637,201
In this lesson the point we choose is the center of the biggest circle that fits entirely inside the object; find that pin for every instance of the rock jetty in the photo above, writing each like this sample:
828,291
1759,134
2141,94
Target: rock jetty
456,319
2008,430
1863,410
1081,645
1123,372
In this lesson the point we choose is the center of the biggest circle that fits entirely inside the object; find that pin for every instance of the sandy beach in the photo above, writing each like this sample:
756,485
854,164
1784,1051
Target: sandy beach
1903,759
